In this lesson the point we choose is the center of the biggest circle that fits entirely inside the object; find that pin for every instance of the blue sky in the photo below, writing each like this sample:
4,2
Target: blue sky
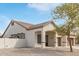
31,13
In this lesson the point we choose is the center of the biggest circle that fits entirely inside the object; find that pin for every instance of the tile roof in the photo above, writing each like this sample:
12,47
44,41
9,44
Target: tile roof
26,25
42,24
32,26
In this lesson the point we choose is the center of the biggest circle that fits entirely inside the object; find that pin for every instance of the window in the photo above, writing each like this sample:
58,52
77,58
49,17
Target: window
18,35
13,36
39,38
21,35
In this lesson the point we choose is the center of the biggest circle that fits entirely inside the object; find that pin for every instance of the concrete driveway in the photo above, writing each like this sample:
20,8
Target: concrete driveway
31,52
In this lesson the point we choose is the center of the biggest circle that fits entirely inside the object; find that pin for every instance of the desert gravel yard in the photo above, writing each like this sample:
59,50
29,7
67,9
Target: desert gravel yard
37,52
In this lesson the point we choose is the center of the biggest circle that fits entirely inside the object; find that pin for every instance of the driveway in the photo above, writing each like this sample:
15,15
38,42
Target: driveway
31,52
59,51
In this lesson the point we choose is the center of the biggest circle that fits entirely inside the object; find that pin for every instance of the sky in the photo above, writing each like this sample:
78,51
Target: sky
30,13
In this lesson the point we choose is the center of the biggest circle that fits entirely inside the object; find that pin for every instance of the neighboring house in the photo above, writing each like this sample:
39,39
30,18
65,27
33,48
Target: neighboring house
40,35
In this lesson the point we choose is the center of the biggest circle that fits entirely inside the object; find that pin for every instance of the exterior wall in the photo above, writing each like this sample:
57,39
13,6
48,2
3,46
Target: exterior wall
12,43
64,41
29,35
14,29
33,34
30,39
49,27
51,38
1,43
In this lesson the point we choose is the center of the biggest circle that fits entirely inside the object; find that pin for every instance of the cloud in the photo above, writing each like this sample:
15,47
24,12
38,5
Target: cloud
43,6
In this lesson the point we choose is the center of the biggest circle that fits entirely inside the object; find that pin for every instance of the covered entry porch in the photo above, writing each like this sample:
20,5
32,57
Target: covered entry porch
47,36
49,39
52,39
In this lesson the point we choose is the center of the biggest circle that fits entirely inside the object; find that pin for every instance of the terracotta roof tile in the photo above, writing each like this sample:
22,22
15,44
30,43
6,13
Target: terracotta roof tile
32,26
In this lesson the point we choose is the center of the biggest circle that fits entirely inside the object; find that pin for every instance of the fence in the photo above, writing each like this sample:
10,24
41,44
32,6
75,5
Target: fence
12,43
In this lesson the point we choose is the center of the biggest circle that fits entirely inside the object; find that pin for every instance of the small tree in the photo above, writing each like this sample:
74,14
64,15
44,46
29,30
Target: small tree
70,13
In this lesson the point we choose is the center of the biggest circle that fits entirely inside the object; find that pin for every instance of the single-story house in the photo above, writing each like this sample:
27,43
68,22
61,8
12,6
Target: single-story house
39,35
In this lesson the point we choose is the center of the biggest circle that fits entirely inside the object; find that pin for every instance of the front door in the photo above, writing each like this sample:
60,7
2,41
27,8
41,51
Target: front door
46,40
59,41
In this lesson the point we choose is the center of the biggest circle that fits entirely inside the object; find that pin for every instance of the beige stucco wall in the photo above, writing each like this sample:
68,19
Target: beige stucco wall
51,35
49,27
29,40
1,43
64,41
33,37
14,30
51,38
12,43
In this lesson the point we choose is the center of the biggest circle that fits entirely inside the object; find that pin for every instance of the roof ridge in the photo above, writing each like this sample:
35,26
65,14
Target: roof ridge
21,22
44,22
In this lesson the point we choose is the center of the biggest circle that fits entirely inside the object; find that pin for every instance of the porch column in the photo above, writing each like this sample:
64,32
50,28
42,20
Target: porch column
74,42
43,39
56,40
66,41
